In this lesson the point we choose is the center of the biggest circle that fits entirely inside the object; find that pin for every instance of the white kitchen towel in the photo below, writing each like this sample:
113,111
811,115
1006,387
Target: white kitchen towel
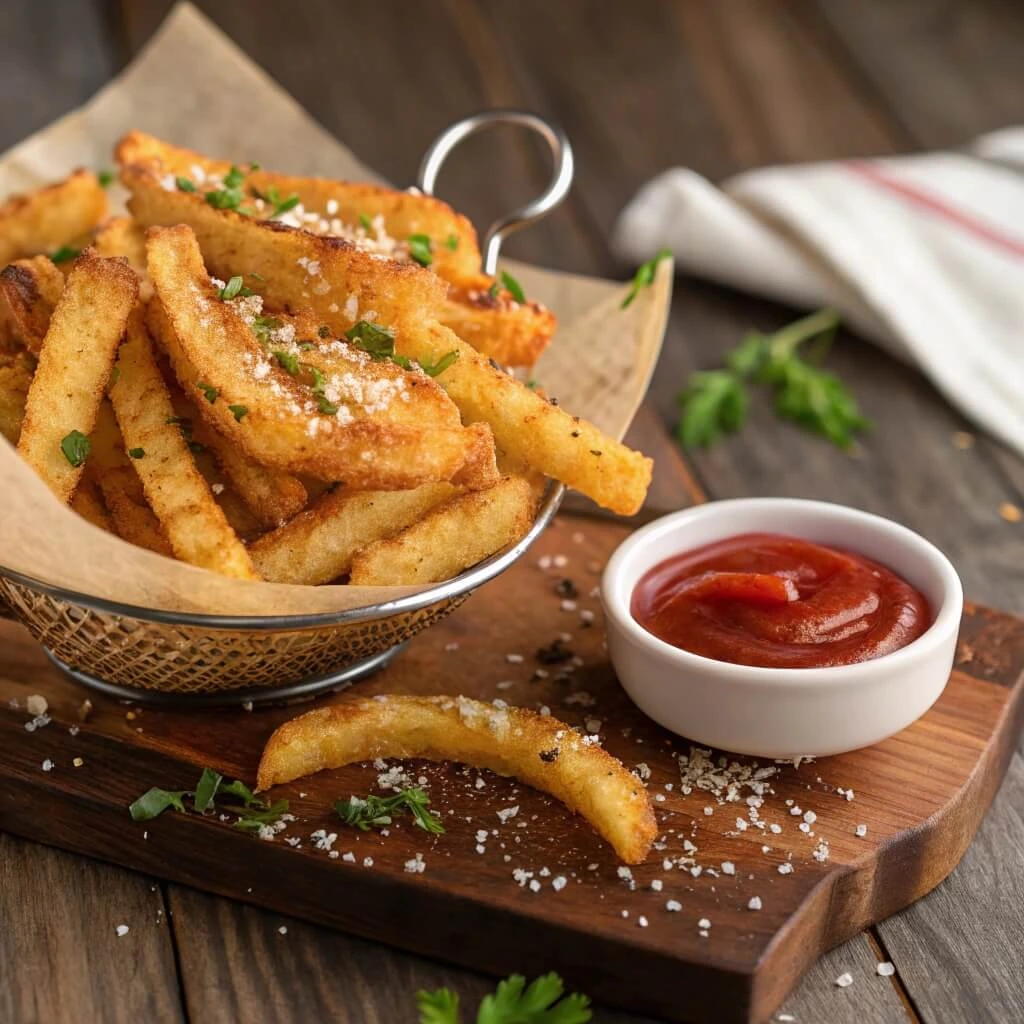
922,254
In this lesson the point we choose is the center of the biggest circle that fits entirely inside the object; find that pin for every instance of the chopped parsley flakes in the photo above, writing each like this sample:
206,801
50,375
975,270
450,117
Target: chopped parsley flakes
184,185
514,288
421,249
378,811
287,361
137,453
209,391
234,288
64,254
238,411
75,447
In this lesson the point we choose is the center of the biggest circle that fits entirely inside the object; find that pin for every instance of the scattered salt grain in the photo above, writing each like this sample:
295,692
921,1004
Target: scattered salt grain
47,765
283,930
704,923
673,906
860,831
754,903
728,868
642,921
122,930
886,969
656,885
845,980
785,868
416,865
559,883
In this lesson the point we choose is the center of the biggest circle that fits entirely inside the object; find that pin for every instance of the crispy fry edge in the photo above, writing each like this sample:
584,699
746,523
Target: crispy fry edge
540,751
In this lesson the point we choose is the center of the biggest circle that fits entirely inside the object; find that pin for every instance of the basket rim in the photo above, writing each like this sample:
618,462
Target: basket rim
464,583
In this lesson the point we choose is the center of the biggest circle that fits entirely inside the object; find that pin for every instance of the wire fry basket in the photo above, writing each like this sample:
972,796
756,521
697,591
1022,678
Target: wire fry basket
201,660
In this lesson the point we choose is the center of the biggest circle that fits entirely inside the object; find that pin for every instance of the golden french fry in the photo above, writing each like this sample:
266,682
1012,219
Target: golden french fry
401,226
194,523
317,545
16,371
529,427
88,503
540,751
74,364
121,487
382,427
122,236
489,318
272,496
51,217
29,292
371,215
463,531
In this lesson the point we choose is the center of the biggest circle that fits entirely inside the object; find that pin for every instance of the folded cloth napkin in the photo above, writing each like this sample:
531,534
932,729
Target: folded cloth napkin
922,254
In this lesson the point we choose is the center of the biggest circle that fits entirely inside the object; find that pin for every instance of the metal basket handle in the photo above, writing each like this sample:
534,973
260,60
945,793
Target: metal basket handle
557,190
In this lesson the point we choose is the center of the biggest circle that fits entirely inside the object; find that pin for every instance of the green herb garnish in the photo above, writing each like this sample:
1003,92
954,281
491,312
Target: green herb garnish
716,402
238,411
229,196
262,326
137,453
209,391
512,286
235,288
206,789
326,406
287,361
196,448
514,1002
155,801
115,376
378,341
64,253
435,369
421,249
364,222
184,184
378,811
452,242
492,292
644,276
75,447
105,178
280,205
253,813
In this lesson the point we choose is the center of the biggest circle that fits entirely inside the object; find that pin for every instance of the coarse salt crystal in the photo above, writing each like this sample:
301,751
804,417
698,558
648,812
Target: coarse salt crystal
845,980
558,883
786,868
704,923
673,906
642,921
728,868
754,903
886,969
47,765
860,831
656,884
122,930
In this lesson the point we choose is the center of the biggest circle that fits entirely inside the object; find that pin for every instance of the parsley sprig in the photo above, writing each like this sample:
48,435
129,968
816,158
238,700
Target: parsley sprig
514,1002
379,811
76,447
230,195
716,402
379,343
277,204
252,812
644,276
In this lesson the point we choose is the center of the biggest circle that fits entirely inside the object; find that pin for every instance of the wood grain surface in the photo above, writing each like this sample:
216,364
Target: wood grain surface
719,87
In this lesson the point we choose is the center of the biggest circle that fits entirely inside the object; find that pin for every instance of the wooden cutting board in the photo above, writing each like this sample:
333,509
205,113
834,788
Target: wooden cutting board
496,904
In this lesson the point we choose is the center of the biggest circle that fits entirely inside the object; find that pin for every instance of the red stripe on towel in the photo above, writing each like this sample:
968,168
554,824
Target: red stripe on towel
973,226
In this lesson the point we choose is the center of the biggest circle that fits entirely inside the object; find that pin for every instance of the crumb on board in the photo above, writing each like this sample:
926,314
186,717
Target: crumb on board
1010,513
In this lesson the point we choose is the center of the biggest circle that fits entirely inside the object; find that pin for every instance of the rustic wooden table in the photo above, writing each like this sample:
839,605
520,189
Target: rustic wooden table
719,85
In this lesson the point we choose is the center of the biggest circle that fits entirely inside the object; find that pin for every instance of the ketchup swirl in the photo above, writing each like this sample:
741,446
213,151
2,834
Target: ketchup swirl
778,602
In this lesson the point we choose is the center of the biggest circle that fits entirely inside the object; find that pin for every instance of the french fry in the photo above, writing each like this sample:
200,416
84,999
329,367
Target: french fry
376,219
390,429
51,217
121,487
29,291
317,546
194,523
463,531
74,364
355,211
88,503
271,495
122,236
16,371
489,318
530,428
540,751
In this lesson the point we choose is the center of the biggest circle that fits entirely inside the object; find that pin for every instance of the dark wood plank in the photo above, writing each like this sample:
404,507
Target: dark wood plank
55,55
948,71
63,959
958,956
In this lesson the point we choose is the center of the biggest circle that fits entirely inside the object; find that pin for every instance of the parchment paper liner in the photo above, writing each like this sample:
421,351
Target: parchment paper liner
194,87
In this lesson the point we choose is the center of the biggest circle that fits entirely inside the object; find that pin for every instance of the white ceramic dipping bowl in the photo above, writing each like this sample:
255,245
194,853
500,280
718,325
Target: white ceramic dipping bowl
782,712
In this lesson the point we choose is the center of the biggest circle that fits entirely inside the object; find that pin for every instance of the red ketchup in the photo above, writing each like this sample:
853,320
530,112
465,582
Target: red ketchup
778,602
